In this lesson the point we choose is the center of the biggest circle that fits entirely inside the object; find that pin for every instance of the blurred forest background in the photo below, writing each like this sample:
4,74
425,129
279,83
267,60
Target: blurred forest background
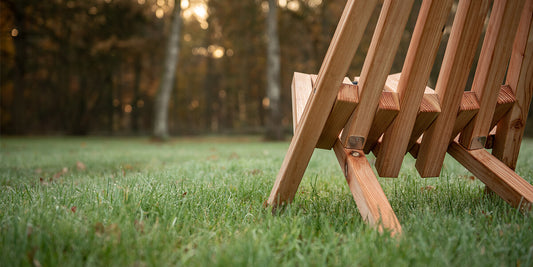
95,66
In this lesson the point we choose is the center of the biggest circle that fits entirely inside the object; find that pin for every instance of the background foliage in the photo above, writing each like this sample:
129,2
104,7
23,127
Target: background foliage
93,67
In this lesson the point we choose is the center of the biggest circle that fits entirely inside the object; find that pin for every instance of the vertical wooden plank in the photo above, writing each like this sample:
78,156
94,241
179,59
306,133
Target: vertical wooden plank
459,55
491,67
301,90
520,77
415,75
496,175
345,41
385,41
366,190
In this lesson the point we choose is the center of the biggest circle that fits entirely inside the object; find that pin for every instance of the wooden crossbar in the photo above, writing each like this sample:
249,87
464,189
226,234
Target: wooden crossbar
391,115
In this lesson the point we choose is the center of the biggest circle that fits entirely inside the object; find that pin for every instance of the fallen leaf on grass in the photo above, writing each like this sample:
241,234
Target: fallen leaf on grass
427,188
80,166
73,209
139,226
63,171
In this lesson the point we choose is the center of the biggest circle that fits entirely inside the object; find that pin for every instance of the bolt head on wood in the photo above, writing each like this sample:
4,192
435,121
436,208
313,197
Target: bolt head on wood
356,142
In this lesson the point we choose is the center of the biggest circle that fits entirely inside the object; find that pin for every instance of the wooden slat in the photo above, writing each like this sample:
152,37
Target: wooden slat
387,36
343,107
346,102
469,106
428,112
388,108
415,75
458,58
519,76
366,190
301,90
496,175
491,67
504,103
345,41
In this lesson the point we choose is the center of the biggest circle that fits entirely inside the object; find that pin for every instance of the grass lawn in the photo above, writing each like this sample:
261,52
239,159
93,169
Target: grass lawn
198,201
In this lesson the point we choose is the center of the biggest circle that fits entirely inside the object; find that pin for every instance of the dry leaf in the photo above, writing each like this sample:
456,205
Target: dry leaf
427,188
73,209
80,166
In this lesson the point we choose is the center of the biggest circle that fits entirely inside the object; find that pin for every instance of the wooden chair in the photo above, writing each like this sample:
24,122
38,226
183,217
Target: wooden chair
391,115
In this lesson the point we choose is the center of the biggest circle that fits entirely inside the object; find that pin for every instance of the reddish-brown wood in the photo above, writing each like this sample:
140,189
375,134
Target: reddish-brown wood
520,77
387,36
496,175
346,102
366,190
491,67
458,58
413,81
340,52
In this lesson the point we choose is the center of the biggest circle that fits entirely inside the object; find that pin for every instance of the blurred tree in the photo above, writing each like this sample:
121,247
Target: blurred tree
169,74
274,129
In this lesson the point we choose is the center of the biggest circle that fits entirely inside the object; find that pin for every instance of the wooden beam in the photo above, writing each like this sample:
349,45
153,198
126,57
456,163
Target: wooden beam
453,75
385,41
519,76
366,190
301,90
491,67
415,74
495,174
346,102
469,106
345,41
428,112
388,108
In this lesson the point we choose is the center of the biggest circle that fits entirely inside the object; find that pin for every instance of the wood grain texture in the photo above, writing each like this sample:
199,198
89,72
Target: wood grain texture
301,90
388,108
385,41
491,67
520,78
366,190
346,102
495,174
428,112
453,75
413,81
334,67
504,103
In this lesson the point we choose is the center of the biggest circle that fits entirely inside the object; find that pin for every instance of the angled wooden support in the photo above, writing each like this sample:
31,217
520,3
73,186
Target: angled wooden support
491,67
345,41
495,174
366,190
415,75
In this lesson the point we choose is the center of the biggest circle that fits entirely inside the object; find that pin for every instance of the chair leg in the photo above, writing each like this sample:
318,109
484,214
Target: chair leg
495,174
366,190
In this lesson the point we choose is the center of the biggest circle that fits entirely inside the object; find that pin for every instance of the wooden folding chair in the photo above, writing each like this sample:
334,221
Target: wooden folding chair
391,115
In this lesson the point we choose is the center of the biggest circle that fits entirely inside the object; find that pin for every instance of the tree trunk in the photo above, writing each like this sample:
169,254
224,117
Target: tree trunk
169,73
274,128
